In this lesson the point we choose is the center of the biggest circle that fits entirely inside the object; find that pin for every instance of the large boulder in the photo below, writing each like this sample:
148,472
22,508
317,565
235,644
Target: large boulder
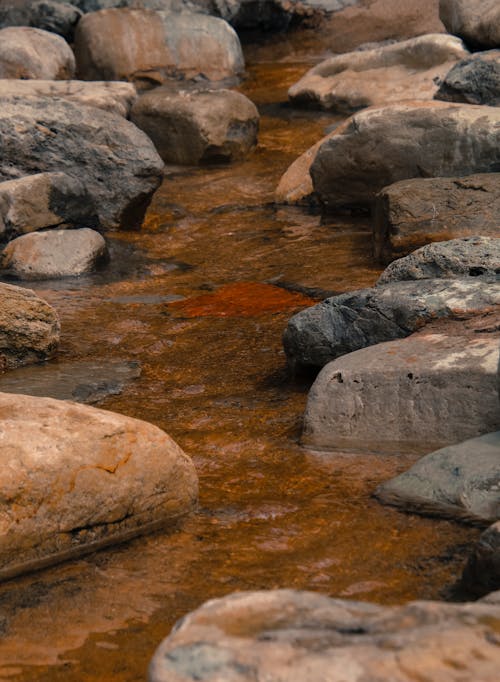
482,572
378,76
75,478
476,21
49,15
381,146
295,636
32,53
411,213
475,80
460,482
116,161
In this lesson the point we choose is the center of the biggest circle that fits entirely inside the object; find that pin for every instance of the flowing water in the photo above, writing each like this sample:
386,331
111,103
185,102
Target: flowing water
198,299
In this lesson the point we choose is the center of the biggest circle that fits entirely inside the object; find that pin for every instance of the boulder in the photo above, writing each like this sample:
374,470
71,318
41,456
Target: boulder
198,126
29,328
471,257
49,15
378,76
482,572
296,636
116,161
475,80
459,482
411,213
76,478
476,21
32,53
381,146
295,185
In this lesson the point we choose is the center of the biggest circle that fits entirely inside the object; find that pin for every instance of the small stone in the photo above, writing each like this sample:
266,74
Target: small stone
475,80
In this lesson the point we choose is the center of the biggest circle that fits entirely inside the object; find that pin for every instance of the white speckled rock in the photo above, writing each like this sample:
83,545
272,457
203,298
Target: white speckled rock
32,53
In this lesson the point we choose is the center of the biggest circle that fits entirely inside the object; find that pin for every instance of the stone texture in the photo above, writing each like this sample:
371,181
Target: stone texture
378,76
476,21
434,388
471,257
198,126
116,161
49,15
475,80
295,636
411,213
460,482
295,185
75,478
29,327
482,572
32,53
397,142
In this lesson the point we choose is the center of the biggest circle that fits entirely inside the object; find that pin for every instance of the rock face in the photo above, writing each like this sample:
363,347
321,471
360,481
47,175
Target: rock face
29,327
482,572
49,15
411,213
296,636
33,53
476,21
378,76
460,482
382,146
198,126
116,161
472,257
475,80
358,319
76,478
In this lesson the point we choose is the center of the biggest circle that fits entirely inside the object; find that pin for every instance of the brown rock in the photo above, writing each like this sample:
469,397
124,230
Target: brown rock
476,21
32,53
482,572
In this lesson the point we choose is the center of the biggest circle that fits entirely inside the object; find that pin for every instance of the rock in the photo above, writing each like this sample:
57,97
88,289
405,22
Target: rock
378,76
411,213
76,478
295,636
33,53
476,21
381,146
295,185
49,15
146,47
198,126
116,97
29,327
472,257
475,80
482,572
345,323
116,161
460,482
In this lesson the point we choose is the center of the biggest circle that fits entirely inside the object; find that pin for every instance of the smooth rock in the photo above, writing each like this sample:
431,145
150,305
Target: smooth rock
198,126
49,15
475,80
291,635
295,185
29,327
482,572
115,160
381,146
476,21
411,213
75,478
471,257
460,482
32,53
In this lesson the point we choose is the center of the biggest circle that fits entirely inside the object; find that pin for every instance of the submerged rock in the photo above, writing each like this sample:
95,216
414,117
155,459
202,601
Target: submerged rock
482,572
476,21
475,80
33,53
49,15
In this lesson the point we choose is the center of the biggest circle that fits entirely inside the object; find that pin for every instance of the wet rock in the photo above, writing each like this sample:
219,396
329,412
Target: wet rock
295,185
29,327
378,76
459,482
293,635
381,146
411,213
476,21
475,80
116,161
198,126
482,572
471,257
33,53
358,319
49,15
75,478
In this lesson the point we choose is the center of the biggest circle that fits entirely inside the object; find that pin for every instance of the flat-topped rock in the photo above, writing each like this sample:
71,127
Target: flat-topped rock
475,80
49,15
482,572
32,53
476,21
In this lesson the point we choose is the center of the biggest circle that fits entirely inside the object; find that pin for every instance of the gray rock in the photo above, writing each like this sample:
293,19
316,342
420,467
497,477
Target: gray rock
49,15
460,482
475,80
32,53
482,572
476,21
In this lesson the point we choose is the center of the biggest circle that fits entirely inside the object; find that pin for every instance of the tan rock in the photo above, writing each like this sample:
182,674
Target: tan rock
32,53
476,21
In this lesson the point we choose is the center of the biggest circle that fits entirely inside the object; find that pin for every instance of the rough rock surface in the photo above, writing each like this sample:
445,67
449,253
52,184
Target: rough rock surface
75,478
460,482
378,76
49,15
32,53
475,80
29,327
411,213
482,572
476,21
358,319
381,146
116,161
198,126
296,636
471,257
